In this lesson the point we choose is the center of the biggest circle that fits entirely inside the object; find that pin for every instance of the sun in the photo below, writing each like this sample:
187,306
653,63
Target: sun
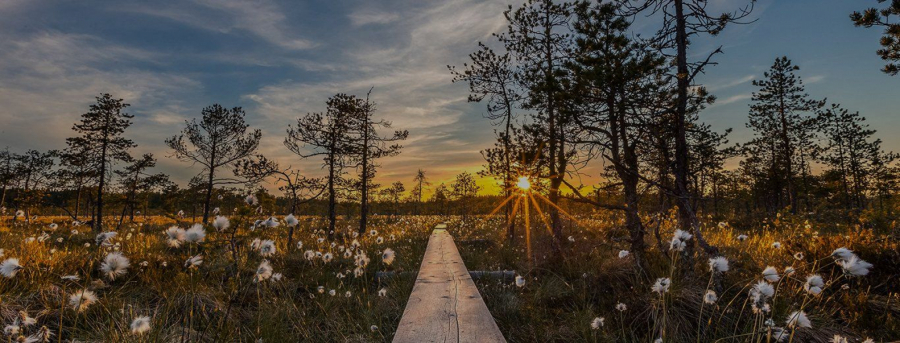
523,183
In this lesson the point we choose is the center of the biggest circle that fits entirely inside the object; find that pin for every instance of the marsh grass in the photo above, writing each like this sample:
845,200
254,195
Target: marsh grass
219,300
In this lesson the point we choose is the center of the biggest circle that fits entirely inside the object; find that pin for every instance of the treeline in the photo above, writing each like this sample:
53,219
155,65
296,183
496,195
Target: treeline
569,84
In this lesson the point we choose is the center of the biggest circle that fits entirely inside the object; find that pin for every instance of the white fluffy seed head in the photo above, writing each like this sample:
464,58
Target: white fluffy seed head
140,325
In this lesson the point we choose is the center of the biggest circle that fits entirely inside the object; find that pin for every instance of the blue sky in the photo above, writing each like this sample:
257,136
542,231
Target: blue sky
282,59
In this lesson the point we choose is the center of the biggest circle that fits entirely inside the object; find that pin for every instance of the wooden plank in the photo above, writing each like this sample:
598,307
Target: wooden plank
445,305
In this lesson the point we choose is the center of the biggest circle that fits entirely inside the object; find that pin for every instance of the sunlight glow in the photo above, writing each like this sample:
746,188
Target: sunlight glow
523,183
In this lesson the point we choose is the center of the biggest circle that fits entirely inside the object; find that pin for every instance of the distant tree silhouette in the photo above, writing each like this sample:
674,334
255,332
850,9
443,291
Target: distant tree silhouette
464,188
134,179
35,170
328,135
7,174
101,140
851,153
370,146
784,129
220,139
419,183
890,41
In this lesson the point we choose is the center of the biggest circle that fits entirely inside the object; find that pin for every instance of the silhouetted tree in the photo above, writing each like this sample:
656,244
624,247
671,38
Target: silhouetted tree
464,188
419,183
784,131
101,140
7,173
370,146
681,20
890,41
493,77
328,135
298,188
134,180
219,140
539,42
851,153
35,169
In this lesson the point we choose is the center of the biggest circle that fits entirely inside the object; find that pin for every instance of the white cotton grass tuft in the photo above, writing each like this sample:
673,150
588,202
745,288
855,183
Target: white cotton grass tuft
193,262
718,264
814,284
771,274
140,325
854,266
291,221
710,297
388,256
195,234
661,285
679,240
103,238
621,307
623,253
776,245
221,223
251,200
520,281
174,237
81,300
762,291
114,265
742,238
264,271
597,323
842,254
267,248
798,319
10,267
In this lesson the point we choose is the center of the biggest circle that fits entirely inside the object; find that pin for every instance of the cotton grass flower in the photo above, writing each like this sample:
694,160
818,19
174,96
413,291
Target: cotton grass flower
174,237
842,254
710,297
776,245
195,234
264,271
104,237
839,339
221,223
520,281
291,221
140,325
267,248
10,267
854,266
814,284
661,285
771,274
388,256
114,265
742,238
193,262
798,319
81,300
382,292
597,323
251,200
621,307
718,264
623,253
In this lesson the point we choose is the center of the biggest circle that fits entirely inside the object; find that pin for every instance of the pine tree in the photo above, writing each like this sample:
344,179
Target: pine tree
784,129
370,146
101,139
328,135
890,41
219,140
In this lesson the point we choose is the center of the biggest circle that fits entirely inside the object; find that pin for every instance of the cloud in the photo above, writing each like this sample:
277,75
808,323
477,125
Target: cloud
263,18
366,17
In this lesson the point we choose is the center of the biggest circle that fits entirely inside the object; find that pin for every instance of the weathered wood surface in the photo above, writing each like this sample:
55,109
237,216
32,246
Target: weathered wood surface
445,305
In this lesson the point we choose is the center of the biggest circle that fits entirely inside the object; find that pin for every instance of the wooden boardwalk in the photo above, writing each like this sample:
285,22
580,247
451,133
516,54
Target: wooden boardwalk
445,305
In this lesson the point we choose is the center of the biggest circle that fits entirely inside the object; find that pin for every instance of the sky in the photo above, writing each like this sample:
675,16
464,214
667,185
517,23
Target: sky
282,59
